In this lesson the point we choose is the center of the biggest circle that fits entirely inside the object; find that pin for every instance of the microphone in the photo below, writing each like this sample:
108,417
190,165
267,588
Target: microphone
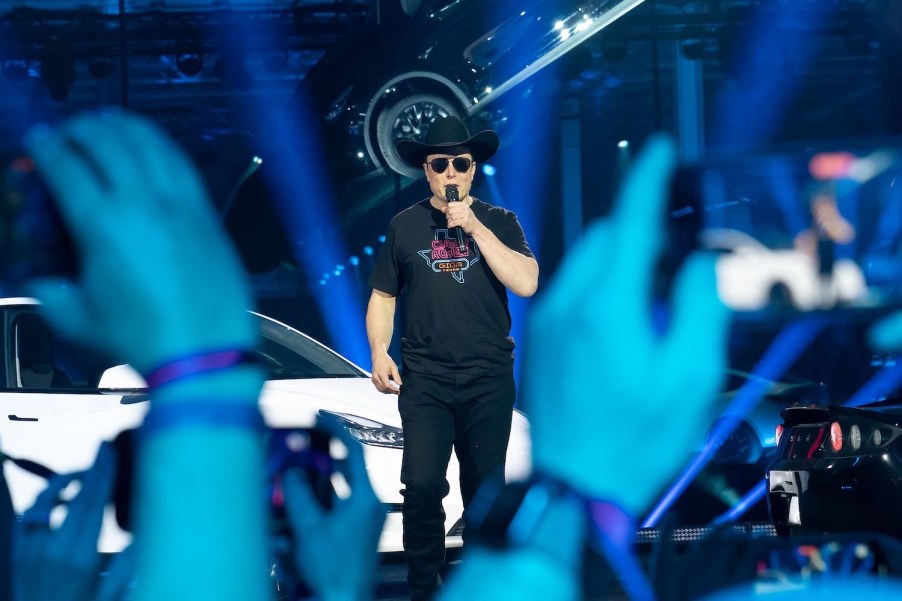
453,195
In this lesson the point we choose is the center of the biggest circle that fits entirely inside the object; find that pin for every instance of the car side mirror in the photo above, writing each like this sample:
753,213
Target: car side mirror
121,377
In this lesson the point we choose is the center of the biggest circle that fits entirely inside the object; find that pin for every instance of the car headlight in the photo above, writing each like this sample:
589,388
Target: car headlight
367,431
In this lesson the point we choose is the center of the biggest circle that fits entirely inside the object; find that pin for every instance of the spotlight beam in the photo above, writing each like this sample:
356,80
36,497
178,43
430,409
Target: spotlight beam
784,350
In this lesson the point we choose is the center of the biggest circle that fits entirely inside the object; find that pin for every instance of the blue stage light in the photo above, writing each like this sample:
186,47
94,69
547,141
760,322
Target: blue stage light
294,133
881,384
746,502
782,353
382,239
368,251
355,261
741,119
489,170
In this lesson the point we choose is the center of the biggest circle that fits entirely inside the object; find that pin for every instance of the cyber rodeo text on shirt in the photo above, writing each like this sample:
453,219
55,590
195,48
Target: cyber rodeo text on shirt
446,257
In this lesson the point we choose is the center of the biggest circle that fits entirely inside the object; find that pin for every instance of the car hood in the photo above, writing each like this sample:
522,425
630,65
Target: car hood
296,402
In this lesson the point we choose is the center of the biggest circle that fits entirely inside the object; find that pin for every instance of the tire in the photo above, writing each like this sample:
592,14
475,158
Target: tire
781,296
408,118
741,447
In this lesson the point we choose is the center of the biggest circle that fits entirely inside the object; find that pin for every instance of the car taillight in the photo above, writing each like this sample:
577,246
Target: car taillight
855,437
779,432
836,436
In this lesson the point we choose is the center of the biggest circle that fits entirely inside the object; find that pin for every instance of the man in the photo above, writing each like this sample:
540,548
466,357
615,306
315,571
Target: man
457,353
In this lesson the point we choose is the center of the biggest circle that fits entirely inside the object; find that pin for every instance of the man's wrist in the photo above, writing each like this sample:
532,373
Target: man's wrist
479,229
379,351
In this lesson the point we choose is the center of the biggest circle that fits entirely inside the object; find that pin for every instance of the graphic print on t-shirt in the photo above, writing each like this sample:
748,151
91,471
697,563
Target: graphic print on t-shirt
445,256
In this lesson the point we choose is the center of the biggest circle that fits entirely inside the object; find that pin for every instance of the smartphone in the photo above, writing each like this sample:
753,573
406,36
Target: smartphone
795,229
306,450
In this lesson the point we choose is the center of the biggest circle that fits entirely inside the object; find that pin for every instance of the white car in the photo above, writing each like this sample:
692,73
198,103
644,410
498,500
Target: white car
749,274
62,402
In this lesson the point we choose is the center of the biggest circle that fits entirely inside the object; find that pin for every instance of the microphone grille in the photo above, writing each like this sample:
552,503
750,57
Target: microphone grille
451,193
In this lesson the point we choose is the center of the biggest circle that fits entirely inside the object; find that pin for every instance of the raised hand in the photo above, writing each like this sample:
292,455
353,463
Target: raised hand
151,248
52,563
335,550
615,405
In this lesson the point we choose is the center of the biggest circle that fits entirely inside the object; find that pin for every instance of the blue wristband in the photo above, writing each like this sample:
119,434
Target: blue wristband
195,364
214,414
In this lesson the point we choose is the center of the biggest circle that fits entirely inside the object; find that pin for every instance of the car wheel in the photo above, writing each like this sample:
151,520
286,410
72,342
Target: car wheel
781,296
409,118
742,446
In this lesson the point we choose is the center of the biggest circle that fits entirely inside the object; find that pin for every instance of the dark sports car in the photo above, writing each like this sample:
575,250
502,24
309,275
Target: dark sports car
838,469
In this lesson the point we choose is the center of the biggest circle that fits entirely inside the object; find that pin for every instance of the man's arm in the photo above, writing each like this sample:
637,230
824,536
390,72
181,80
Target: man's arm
380,323
519,273
516,271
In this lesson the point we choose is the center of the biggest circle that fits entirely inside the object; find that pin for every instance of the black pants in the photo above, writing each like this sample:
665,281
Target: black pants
470,413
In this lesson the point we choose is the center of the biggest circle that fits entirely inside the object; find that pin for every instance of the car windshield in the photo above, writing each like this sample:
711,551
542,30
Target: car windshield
287,354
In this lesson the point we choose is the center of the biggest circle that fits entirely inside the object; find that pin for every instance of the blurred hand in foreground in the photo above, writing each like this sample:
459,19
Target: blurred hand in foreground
335,550
52,563
158,277
615,404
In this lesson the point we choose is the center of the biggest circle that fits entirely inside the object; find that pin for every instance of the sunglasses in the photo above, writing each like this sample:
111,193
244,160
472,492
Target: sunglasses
461,164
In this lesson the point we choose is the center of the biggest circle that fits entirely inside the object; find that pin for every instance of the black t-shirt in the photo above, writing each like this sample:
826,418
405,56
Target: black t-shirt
457,313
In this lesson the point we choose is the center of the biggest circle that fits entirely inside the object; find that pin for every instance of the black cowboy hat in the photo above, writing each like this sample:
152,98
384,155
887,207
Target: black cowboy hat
448,135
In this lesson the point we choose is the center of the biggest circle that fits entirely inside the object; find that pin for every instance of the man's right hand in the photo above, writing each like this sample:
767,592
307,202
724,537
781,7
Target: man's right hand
386,377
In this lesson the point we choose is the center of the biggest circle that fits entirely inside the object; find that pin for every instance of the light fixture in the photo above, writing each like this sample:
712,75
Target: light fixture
190,64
